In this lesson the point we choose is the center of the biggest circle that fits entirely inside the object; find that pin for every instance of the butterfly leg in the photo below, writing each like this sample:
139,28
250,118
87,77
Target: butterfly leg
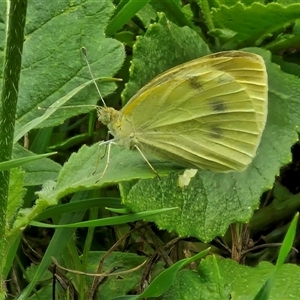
107,152
147,161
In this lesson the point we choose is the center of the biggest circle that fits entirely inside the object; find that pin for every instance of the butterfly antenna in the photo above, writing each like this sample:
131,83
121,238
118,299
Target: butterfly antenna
91,73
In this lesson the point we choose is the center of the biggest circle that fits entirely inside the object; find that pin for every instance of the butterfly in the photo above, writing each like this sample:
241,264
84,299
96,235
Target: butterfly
208,113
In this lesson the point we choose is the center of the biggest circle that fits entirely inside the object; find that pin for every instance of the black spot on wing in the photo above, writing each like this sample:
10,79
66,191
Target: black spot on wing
216,132
218,105
195,83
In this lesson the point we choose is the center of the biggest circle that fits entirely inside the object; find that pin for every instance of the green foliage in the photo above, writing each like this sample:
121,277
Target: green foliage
157,35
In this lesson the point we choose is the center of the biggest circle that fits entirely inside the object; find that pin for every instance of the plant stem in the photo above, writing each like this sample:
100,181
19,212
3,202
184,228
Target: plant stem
206,11
11,74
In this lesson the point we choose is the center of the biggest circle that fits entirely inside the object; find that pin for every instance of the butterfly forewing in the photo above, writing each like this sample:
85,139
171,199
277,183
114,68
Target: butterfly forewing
208,113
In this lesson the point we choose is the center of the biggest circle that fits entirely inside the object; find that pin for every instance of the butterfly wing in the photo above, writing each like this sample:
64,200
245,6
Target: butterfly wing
207,113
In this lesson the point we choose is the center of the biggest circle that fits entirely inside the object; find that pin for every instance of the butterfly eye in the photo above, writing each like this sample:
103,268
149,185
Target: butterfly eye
104,116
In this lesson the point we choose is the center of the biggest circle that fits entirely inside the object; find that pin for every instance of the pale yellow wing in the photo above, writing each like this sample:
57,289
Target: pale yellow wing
207,113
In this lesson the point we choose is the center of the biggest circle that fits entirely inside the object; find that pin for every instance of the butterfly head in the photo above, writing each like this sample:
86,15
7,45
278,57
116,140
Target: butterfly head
110,117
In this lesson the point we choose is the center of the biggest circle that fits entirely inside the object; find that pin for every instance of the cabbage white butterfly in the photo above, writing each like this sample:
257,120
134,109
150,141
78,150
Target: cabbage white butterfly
208,113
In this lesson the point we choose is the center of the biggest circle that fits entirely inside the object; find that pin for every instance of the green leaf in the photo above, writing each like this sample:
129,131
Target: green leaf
52,109
113,203
287,243
288,67
201,285
241,19
21,161
229,3
53,64
15,202
105,221
245,282
36,172
15,195
85,170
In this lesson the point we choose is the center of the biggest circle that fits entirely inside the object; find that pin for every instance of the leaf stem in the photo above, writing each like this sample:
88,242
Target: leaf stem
206,11
16,18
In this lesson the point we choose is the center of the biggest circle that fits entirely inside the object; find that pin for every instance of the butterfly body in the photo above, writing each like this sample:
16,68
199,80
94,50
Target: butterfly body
208,113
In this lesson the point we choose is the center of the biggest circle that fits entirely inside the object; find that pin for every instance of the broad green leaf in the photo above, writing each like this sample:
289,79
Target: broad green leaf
233,2
15,195
286,2
254,23
47,113
85,170
245,282
15,202
193,285
53,64
36,172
